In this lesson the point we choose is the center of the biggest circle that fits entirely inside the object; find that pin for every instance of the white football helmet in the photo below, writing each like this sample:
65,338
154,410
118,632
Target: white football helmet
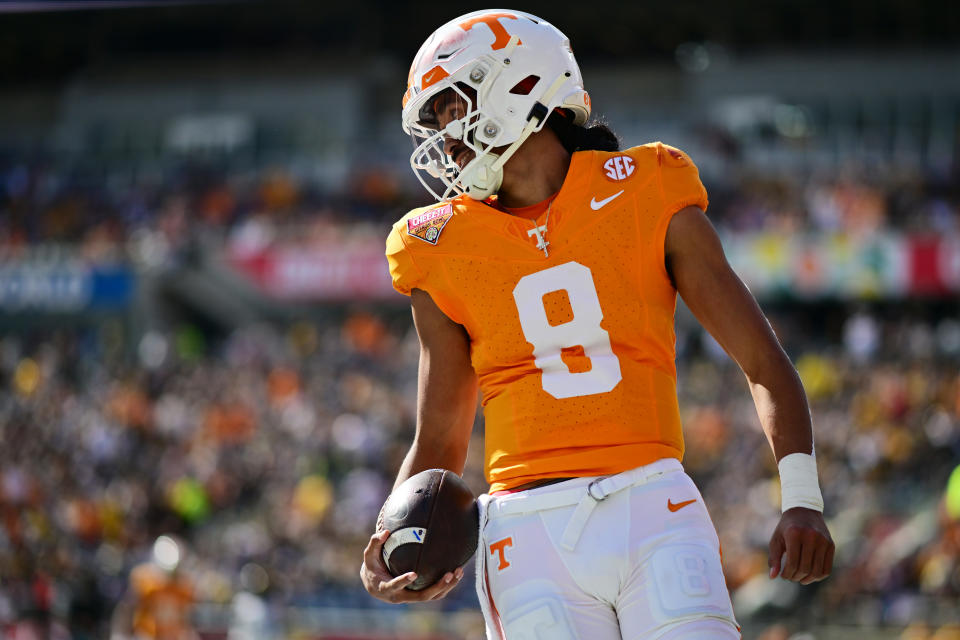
511,70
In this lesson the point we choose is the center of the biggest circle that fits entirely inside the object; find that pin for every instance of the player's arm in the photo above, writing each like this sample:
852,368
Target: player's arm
447,392
727,309
446,404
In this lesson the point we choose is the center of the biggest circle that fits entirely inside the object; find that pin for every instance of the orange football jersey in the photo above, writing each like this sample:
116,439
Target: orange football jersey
573,343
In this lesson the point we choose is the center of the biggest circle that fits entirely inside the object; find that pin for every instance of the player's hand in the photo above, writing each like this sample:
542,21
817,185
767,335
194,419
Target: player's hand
381,585
803,544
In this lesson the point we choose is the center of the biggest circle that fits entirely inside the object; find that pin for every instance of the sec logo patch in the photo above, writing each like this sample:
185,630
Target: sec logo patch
619,168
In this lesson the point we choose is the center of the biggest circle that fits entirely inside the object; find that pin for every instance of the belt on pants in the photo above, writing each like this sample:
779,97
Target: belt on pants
586,496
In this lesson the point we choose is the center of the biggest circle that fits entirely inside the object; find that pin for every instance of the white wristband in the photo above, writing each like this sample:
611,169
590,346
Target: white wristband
799,486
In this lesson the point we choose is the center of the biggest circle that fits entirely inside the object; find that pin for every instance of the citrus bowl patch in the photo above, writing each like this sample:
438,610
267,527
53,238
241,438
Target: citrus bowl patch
428,225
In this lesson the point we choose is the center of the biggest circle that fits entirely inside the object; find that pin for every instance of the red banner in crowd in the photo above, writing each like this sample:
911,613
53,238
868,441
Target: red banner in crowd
330,272
934,263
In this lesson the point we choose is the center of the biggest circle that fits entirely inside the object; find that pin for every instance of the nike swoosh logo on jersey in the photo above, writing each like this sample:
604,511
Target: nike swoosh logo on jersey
599,204
679,505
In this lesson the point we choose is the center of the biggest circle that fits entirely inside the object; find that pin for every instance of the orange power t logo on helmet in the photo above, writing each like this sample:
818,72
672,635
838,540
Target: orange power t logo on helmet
492,20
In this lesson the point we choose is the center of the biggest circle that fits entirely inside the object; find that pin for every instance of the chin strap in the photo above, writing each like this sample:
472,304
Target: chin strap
485,178
482,181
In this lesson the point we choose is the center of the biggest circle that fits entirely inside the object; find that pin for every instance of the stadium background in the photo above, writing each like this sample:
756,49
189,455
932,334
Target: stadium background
198,336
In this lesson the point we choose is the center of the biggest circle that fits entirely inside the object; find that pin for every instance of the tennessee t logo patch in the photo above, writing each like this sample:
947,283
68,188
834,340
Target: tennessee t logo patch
428,225
499,548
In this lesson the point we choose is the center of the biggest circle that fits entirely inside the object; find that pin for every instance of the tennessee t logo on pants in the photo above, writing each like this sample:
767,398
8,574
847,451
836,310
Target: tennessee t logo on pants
499,547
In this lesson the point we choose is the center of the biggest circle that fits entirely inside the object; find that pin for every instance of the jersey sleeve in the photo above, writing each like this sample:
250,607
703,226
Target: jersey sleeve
403,270
680,180
408,272
681,187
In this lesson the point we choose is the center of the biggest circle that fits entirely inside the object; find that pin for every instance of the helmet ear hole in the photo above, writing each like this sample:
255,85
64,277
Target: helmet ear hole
525,86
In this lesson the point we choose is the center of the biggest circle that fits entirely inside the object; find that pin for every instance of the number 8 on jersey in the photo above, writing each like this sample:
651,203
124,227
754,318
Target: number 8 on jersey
582,330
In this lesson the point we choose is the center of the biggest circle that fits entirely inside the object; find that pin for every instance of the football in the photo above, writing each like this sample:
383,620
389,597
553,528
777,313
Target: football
433,521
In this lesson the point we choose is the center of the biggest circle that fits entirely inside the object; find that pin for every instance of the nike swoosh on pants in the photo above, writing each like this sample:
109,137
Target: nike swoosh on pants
679,505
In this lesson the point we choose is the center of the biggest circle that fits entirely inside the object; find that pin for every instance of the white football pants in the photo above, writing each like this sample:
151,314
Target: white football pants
633,556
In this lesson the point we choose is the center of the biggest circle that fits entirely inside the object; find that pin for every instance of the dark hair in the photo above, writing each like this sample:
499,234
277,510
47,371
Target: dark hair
596,135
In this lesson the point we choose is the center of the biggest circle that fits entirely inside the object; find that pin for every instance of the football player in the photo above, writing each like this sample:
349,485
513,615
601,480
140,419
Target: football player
159,603
547,275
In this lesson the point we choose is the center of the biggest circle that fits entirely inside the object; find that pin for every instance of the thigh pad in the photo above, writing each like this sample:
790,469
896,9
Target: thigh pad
686,579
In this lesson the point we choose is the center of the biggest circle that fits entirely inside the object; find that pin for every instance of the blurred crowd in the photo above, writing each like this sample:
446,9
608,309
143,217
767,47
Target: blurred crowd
271,448
886,413
270,451
856,200
151,218
133,214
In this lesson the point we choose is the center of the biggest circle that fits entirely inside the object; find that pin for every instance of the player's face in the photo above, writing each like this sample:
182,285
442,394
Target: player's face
448,106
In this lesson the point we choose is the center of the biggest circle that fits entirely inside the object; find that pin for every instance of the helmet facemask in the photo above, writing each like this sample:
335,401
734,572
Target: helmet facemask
431,157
